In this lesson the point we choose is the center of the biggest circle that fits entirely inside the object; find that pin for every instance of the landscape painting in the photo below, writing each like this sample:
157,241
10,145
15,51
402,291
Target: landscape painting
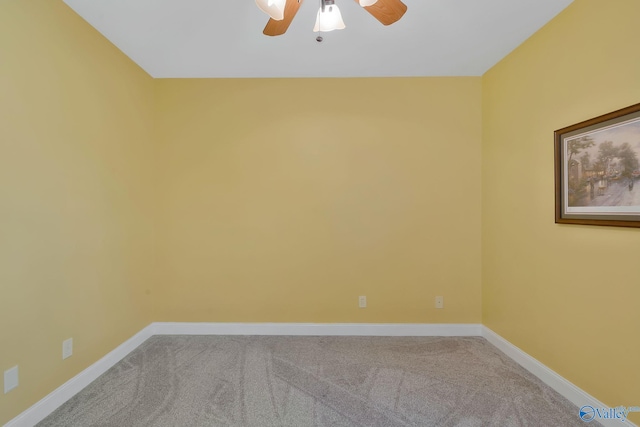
598,170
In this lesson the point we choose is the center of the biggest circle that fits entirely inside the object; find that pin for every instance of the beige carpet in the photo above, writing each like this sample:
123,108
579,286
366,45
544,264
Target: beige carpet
316,381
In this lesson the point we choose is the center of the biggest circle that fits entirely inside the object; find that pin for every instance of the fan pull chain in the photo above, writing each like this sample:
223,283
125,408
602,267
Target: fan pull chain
319,39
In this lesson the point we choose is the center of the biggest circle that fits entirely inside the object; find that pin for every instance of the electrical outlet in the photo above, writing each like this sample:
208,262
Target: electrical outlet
439,302
362,302
10,379
67,348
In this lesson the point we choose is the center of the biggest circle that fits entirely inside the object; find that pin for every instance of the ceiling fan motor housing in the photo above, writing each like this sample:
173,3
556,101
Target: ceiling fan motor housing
327,3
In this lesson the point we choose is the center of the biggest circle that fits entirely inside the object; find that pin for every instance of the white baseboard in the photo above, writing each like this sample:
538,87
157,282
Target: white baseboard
571,392
319,329
66,391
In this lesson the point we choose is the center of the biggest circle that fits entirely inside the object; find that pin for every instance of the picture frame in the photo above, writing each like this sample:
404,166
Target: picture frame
597,170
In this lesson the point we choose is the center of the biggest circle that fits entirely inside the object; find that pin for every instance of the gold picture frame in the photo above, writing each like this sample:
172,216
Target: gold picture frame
597,170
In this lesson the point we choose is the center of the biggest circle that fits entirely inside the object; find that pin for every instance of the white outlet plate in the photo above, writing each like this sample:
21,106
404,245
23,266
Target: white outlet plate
67,348
10,379
362,302
439,302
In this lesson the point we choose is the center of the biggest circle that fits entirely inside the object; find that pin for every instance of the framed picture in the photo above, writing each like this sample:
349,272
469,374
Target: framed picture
597,170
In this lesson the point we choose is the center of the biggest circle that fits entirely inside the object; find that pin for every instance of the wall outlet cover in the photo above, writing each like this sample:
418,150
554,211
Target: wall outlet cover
10,379
362,302
67,348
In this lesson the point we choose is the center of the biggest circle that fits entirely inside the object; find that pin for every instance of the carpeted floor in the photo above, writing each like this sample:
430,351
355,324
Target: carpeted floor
315,381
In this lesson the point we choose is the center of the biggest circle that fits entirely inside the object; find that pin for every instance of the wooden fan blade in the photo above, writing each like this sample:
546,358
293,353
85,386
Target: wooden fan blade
387,11
277,28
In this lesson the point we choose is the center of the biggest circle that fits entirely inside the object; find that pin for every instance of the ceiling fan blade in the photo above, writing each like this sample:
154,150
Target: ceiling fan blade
277,28
386,11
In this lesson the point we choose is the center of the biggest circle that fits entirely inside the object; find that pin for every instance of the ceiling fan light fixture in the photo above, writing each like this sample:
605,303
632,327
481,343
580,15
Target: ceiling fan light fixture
273,8
365,3
329,18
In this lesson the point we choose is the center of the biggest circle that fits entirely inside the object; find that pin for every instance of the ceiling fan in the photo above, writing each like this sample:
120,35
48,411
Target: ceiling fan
282,13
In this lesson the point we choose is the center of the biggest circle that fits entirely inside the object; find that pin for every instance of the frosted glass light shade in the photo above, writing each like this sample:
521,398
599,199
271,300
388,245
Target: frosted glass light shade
329,20
365,3
273,8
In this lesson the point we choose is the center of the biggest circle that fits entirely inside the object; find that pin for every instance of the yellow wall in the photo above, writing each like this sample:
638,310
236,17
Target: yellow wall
75,196
284,200
567,295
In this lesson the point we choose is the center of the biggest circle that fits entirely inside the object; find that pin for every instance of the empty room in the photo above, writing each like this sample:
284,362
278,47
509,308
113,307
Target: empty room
415,213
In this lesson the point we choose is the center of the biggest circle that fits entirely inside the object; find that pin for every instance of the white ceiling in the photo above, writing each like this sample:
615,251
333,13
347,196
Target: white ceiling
223,38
